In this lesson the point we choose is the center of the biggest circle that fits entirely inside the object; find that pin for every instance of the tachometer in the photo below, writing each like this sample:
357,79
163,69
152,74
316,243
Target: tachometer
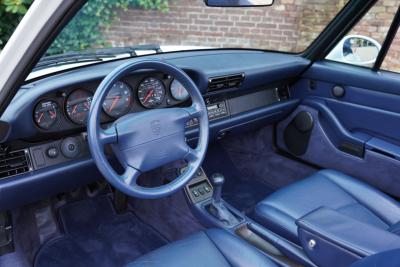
118,100
46,114
151,92
78,106
178,91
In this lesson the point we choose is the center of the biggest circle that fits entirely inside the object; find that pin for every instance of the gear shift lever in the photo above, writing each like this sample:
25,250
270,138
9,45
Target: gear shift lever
217,181
217,208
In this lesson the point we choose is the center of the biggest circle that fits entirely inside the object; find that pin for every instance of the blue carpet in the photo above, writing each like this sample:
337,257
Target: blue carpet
240,190
96,236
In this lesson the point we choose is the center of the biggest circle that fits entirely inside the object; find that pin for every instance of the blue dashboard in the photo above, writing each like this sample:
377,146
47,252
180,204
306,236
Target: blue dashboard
242,89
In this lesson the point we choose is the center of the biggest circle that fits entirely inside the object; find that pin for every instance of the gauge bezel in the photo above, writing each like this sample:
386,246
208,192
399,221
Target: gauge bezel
58,114
163,96
130,104
66,101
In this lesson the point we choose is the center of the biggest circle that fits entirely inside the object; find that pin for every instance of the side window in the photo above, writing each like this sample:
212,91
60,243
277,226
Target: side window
362,44
392,59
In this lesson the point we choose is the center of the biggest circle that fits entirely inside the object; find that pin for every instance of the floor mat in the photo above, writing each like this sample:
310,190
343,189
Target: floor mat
170,215
96,236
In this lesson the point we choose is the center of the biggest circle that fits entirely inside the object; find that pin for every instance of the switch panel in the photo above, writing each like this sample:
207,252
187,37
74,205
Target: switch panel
199,188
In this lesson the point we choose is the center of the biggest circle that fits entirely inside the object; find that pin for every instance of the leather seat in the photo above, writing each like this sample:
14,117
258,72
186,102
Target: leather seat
389,258
330,189
208,248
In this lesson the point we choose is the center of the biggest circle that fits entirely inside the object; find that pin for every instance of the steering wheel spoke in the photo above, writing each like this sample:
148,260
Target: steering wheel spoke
130,176
108,136
193,154
193,111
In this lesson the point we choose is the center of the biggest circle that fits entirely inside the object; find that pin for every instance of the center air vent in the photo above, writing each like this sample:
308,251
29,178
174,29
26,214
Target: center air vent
225,82
14,163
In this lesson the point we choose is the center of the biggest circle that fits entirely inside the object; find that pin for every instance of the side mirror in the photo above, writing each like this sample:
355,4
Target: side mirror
357,50
238,3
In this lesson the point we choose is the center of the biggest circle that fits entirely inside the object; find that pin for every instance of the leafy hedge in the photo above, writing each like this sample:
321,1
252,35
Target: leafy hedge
84,31
11,13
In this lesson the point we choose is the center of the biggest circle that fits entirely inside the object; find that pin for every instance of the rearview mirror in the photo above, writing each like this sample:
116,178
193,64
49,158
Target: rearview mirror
238,3
357,50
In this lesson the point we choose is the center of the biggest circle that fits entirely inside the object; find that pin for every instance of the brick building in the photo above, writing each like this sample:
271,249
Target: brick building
289,25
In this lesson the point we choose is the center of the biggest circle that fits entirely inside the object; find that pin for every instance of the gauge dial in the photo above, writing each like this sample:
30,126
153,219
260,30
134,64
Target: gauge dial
151,92
46,114
118,100
178,91
78,106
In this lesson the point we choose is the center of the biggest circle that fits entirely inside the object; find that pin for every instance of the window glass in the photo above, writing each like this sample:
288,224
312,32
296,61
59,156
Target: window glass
392,59
363,43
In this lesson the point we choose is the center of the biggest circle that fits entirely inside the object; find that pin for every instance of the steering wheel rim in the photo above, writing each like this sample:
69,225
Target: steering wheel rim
155,135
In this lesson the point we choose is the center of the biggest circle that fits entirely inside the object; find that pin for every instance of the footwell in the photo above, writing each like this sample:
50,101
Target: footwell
252,168
96,236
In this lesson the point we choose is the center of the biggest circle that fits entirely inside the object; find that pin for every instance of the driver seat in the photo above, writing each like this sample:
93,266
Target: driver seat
211,248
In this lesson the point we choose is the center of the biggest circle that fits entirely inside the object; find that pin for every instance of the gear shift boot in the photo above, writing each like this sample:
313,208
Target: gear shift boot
217,207
222,213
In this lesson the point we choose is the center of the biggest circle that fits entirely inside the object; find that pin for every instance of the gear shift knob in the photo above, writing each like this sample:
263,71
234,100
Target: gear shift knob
217,181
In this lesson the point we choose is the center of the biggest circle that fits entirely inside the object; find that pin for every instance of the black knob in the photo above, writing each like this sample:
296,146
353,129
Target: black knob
70,147
217,181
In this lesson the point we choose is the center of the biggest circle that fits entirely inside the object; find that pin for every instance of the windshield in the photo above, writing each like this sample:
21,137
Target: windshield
176,25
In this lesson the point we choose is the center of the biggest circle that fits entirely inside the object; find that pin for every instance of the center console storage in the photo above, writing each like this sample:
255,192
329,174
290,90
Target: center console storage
330,238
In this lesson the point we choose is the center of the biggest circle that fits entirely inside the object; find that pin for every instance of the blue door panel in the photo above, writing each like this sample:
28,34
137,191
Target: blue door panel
367,117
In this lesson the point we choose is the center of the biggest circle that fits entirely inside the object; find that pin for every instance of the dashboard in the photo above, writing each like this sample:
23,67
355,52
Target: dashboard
46,151
68,109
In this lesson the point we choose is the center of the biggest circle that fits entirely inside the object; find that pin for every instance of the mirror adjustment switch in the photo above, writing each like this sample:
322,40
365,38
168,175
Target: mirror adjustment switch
52,152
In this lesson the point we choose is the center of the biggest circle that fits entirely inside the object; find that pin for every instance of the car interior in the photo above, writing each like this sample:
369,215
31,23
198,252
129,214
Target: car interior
207,157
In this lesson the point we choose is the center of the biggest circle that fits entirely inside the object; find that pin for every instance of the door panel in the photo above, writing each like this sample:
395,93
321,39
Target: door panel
358,133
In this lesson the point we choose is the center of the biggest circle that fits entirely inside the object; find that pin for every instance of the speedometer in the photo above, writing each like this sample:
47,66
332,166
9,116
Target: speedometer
151,92
78,106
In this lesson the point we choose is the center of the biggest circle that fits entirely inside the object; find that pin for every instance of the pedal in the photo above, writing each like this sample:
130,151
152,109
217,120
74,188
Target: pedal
6,233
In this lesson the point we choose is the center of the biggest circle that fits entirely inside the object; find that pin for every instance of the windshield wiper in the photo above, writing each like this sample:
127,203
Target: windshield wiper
94,55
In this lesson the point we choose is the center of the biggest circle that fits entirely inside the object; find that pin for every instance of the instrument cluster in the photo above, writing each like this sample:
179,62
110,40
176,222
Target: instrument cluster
125,96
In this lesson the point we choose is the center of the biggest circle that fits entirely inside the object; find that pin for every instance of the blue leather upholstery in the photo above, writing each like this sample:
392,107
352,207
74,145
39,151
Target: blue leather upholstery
330,189
389,258
341,238
209,248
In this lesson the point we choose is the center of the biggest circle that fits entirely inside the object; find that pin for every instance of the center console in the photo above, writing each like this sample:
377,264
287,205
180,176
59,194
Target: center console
204,195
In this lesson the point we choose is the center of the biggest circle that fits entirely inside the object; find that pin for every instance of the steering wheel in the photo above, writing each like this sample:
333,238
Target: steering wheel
147,140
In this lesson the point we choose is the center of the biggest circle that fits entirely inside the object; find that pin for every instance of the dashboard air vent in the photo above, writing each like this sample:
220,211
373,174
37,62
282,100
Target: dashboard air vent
14,163
225,82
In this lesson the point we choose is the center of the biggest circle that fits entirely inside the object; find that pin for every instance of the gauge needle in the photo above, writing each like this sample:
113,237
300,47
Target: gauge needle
40,117
114,103
148,95
74,109
52,114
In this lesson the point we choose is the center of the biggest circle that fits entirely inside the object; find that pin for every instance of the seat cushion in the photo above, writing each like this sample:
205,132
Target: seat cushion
389,258
330,189
209,248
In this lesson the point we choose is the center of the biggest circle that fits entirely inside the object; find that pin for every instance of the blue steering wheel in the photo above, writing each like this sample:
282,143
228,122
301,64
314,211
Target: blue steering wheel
147,140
